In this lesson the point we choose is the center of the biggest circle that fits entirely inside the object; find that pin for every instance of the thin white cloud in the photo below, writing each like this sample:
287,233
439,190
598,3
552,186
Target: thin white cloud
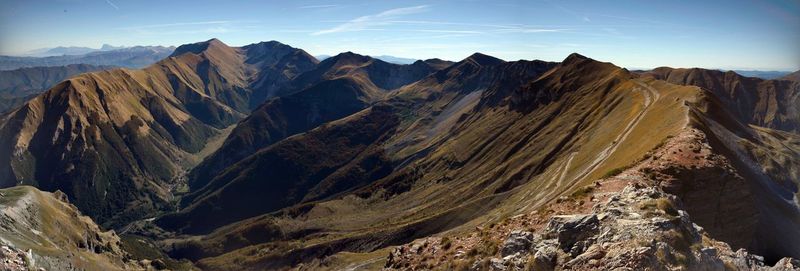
176,24
317,6
112,4
371,21
199,27
423,22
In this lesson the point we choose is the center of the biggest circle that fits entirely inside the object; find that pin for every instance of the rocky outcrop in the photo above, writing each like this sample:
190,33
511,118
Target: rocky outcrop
638,228
571,230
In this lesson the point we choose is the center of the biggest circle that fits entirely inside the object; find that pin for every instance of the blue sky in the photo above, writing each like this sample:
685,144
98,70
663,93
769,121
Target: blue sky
635,34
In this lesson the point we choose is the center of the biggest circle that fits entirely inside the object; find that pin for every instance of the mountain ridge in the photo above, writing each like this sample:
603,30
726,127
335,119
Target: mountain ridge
17,86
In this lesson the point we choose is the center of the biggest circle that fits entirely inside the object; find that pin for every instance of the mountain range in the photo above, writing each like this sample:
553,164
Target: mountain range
130,57
69,50
262,157
385,58
762,74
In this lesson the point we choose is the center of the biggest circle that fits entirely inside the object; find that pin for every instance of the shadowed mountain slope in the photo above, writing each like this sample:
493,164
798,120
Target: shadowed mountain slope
342,85
795,76
290,168
750,201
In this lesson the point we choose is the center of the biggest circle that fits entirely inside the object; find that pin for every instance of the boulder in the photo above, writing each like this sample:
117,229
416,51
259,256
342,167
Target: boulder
517,242
570,229
158,264
545,257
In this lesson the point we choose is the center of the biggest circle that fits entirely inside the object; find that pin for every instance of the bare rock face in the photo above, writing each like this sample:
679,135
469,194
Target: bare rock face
709,187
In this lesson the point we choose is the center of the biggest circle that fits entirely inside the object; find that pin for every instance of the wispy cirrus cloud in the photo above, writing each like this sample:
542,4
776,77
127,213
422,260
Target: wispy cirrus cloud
175,25
112,4
460,27
373,22
209,27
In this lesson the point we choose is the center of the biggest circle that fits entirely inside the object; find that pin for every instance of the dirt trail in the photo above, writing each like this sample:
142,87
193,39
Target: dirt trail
363,265
650,96
564,170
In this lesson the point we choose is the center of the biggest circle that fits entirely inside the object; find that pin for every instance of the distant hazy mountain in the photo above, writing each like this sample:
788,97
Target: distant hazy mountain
386,58
762,74
132,57
396,60
69,50
108,47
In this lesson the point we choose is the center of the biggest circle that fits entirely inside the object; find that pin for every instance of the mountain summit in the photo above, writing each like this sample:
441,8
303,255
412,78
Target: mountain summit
201,47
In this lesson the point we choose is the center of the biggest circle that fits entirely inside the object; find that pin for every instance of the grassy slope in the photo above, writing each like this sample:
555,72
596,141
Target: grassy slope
56,233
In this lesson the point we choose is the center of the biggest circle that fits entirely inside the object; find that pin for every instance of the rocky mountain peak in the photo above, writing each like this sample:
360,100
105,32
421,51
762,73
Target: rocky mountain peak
484,60
200,47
